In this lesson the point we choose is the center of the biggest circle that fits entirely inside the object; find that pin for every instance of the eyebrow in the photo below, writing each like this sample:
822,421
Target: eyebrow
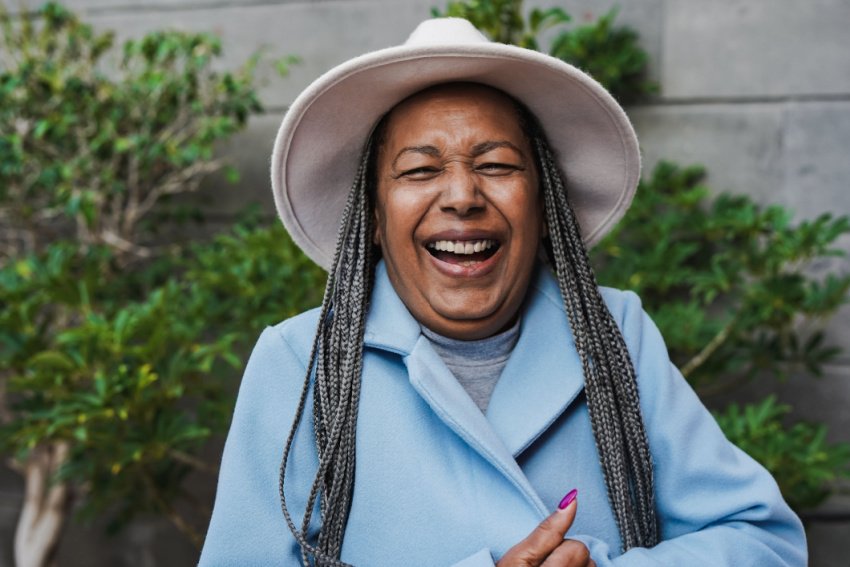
427,150
477,150
485,147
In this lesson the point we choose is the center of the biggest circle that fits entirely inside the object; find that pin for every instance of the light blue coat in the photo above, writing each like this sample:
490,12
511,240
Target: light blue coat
439,483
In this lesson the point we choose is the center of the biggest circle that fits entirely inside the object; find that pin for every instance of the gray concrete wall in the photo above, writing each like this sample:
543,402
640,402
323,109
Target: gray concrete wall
757,90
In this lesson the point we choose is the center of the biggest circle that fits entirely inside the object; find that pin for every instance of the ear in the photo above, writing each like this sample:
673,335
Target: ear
376,236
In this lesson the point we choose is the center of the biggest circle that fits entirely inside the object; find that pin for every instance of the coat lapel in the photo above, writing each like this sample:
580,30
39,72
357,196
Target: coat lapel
450,402
542,373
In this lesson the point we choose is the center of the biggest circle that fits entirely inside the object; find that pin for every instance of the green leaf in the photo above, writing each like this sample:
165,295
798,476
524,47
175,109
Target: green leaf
284,64
232,175
52,360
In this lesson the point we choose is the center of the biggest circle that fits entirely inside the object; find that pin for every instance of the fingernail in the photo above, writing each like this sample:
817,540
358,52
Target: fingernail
568,499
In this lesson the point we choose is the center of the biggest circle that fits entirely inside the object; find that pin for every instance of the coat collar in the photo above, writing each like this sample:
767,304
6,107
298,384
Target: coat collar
389,325
542,376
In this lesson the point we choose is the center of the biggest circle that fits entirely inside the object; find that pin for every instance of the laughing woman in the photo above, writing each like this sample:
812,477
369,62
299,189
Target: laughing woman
467,394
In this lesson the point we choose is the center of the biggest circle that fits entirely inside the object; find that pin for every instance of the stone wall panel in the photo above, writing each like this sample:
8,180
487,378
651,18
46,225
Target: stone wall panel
739,145
815,157
321,34
756,48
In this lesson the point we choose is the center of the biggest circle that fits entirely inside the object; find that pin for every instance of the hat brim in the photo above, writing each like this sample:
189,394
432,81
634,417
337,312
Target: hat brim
319,143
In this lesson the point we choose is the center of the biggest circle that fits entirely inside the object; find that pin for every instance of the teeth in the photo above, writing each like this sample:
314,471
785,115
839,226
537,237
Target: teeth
462,247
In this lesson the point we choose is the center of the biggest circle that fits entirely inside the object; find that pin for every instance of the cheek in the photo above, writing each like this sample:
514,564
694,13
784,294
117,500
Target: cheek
400,212
523,208
395,223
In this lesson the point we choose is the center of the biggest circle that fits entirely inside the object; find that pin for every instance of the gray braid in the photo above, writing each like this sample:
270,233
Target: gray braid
610,382
337,357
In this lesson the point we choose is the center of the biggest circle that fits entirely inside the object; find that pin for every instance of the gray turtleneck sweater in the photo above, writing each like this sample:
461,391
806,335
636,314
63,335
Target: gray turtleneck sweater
478,364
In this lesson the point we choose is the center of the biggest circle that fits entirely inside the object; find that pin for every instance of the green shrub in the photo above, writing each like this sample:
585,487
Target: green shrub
725,279
726,282
130,389
609,53
89,144
117,353
503,21
806,465
251,277
135,387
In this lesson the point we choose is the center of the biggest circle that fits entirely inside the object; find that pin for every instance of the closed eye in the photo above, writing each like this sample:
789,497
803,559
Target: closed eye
425,172
497,168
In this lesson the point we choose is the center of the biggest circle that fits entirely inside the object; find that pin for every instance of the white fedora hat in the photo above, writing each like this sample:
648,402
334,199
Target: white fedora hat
319,143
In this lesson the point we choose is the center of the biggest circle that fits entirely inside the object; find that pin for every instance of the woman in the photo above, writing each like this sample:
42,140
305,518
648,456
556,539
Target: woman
455,385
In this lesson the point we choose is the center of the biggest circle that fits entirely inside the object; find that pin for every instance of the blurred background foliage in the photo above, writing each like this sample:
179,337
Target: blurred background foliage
121,343
726,282
611,54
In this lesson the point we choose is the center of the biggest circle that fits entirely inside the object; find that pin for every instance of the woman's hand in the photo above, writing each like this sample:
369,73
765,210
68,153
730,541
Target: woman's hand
546,546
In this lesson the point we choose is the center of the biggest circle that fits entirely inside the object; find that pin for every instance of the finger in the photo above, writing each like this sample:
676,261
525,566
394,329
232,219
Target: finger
570,553
549,534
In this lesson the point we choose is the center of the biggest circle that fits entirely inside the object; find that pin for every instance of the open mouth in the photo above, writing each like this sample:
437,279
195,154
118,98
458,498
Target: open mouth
466,253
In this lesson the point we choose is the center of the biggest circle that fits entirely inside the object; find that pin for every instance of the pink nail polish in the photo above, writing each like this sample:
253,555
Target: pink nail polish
568,499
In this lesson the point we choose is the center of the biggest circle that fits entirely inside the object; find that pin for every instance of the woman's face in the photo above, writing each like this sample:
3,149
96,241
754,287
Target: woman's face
458,211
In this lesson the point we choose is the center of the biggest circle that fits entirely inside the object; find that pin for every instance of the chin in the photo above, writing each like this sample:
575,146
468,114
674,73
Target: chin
469,328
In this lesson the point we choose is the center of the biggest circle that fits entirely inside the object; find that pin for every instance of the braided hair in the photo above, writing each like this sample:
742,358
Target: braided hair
336,363
337,357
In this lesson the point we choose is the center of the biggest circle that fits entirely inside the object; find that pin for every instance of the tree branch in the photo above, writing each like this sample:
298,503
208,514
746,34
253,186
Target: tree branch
709,349
46,506
5,413
193,462
183,181
123,245
179,522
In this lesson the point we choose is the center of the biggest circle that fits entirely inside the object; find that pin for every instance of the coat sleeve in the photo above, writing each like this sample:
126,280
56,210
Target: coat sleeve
716,505
247,525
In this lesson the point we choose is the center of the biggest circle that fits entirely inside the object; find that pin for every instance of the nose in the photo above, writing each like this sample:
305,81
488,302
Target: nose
462,194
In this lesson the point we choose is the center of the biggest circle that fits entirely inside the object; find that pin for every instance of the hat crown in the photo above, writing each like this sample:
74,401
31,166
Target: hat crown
445,31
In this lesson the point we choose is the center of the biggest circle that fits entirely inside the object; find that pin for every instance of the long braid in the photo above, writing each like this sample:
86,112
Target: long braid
610,381
337,358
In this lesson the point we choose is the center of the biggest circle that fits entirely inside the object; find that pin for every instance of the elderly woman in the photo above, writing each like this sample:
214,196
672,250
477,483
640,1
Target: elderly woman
465,371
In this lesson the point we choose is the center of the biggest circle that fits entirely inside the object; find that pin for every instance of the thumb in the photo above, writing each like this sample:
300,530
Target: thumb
549,534
561,519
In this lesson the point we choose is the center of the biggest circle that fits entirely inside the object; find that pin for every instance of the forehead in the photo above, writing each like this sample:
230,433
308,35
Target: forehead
457,105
